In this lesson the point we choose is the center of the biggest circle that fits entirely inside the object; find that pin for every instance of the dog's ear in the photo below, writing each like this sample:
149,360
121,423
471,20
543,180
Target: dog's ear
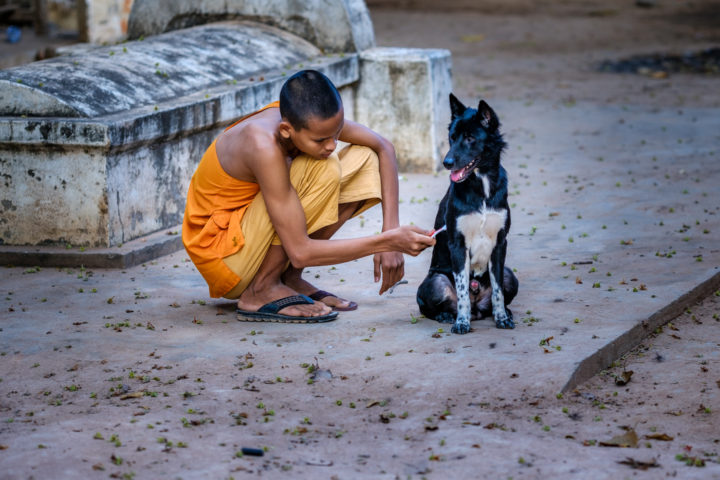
488,119
456,106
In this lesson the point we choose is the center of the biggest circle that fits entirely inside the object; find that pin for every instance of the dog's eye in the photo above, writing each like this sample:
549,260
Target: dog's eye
469,139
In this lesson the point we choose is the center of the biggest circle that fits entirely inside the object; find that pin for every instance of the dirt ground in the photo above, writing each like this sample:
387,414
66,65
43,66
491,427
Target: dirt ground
549,52
151,403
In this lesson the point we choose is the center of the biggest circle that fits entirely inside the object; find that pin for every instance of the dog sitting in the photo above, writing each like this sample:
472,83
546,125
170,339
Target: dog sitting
467,276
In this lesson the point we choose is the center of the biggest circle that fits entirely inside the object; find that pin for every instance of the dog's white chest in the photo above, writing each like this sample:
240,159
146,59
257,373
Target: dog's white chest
480,230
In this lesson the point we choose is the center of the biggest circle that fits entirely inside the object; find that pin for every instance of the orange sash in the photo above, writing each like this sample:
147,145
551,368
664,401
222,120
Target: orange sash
211,229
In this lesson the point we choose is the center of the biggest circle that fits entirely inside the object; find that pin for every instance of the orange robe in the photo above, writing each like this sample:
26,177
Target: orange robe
211,229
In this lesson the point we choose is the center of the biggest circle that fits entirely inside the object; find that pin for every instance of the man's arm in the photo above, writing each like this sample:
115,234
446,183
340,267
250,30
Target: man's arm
392,264
286,213
357,134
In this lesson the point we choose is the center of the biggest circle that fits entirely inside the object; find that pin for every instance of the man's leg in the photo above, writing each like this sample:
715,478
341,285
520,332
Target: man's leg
293,276
316,182
267,286
262,260
359,190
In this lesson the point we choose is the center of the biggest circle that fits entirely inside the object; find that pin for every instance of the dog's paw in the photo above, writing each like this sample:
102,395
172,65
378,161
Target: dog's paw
445,317
461,328
505,320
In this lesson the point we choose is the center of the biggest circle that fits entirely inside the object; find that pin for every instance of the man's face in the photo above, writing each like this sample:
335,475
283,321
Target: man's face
320,137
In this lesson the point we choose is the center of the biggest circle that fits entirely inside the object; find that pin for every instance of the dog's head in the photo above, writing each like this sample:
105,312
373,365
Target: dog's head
475,140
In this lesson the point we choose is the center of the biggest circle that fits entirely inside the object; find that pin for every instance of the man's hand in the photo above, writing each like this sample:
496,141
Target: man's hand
392,266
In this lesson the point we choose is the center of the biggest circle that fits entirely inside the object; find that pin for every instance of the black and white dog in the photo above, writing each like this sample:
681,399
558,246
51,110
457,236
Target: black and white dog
467,274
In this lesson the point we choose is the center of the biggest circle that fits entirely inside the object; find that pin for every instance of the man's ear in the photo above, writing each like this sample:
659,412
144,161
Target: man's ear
456,106
284,128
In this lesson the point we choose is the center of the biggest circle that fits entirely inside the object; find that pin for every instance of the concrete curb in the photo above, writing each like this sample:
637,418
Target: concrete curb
132,253
600,359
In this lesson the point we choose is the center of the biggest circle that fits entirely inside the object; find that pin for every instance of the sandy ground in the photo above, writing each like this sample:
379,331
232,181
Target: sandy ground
137,374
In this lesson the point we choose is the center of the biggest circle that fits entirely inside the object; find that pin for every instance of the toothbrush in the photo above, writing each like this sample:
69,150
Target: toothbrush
434,233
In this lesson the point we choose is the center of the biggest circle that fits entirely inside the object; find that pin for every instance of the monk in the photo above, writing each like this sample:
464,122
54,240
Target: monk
270,192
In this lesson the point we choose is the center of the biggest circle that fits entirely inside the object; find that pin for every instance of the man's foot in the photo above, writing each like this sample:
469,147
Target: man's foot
293,279
269,312
329,298
252,300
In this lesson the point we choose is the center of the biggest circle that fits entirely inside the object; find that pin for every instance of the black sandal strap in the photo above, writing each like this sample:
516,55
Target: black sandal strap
277,305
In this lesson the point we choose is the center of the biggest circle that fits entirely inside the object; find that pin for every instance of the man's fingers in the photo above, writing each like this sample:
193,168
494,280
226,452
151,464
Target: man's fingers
376,267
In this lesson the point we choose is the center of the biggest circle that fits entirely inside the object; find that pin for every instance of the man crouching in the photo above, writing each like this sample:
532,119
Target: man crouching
270,192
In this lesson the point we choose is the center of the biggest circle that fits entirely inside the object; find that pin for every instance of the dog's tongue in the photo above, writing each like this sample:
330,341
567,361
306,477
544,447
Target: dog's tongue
456,175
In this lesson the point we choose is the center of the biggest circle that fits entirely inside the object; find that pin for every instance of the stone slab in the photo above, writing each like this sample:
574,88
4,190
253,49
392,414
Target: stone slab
404,95
100,81
112,178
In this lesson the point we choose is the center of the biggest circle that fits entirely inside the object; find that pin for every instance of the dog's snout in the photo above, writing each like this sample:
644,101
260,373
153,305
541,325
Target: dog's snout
448,162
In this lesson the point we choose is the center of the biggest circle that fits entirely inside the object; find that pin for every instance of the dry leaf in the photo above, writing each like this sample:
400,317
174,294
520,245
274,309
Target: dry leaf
628,439
624,378
132,395
578,280
664,437
639,465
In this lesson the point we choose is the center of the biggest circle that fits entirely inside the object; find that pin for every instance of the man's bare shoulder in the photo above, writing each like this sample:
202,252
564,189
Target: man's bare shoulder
248,146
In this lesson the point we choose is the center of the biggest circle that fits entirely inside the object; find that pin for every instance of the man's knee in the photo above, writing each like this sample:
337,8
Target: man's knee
365,156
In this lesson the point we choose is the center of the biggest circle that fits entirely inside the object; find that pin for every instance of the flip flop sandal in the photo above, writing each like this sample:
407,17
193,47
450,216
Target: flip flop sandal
320,294
269,312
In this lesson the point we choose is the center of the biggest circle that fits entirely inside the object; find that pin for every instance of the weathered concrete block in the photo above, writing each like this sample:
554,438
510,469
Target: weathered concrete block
403,93
101,148
332,25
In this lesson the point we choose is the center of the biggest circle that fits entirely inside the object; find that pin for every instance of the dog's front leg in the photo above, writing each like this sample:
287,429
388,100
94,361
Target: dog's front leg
461,272
496,269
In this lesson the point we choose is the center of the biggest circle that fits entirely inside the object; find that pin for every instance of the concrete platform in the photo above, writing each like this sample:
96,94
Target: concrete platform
615,229
126,255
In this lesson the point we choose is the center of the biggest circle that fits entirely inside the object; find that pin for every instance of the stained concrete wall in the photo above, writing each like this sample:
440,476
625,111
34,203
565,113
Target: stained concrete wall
404,94
104,21
97,146
116,167
331,25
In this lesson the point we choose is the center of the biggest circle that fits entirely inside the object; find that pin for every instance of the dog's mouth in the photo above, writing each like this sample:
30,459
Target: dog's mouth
458,176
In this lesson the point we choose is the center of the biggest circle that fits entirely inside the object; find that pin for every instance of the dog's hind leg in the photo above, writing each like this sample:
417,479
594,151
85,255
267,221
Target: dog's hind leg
502,315
437,299
462,287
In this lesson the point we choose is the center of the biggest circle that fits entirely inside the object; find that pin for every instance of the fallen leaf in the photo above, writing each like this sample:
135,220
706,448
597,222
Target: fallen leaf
372,403
639,465
578,280
628,439
624,378
132,395
664,437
